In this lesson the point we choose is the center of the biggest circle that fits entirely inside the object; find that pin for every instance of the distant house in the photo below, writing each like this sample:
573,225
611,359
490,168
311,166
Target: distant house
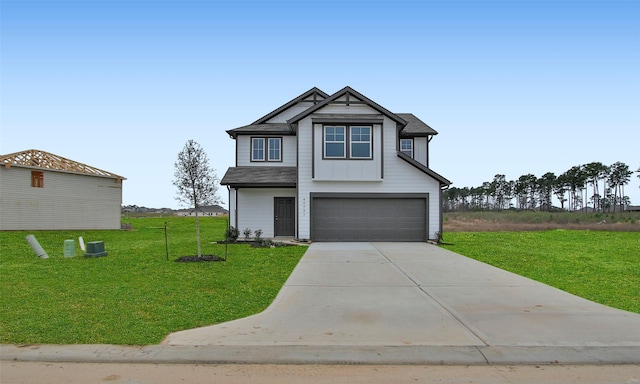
43,191
207,210
335,168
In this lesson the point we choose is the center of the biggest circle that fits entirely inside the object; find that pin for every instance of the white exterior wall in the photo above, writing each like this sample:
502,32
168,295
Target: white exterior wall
67,201
420,149
344,169
256,208
398,177
244,152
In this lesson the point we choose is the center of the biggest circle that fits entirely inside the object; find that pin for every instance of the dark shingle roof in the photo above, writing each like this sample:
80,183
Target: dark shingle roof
314,94
350,92
261,129
260,177
415,126
441,179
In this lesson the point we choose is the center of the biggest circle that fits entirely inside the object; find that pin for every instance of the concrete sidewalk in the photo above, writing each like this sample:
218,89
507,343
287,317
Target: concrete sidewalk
394,303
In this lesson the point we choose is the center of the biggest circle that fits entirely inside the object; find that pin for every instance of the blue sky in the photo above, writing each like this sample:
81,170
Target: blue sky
512,87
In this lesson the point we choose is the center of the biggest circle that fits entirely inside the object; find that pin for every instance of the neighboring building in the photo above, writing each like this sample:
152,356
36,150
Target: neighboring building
632,208
207,210
335,168
43,191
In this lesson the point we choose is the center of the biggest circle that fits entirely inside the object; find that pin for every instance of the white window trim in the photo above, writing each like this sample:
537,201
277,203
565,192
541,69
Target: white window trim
351,142
266,149
254,140
279,140
347,143
412,145
343,142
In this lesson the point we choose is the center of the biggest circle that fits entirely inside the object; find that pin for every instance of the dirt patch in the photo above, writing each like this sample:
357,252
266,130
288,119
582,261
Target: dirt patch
196,259
476,225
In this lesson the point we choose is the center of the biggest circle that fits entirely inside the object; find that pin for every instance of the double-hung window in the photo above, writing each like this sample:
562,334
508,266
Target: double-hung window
266,149
406,147
335,142
347,142
360,145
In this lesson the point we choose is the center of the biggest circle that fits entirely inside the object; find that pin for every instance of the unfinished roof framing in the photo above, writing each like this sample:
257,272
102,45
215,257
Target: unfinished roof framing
34,158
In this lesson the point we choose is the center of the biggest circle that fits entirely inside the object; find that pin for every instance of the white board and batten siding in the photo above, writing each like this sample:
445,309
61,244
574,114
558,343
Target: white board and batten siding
256,208
67,201
398,176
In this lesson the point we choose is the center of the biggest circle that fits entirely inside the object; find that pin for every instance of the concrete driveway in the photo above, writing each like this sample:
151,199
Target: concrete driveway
368,296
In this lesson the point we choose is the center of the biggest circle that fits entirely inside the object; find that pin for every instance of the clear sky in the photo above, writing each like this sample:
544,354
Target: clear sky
512,87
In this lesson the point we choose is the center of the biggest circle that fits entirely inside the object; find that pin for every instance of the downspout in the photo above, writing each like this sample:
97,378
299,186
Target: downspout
226,240
442,189
229,217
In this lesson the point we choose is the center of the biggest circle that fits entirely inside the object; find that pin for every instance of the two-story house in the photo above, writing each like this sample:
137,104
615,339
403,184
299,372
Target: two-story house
335,168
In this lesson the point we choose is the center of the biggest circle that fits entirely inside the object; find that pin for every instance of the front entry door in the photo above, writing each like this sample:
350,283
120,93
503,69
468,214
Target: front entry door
284,216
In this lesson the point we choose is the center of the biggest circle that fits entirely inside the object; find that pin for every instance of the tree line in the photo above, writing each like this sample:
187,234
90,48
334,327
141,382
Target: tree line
594,186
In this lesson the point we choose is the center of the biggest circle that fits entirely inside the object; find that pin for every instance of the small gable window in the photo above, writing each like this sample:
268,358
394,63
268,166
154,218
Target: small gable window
266,149
406,147
37,179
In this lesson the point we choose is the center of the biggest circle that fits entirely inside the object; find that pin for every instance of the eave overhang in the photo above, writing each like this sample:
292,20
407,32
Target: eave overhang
260,177
442,180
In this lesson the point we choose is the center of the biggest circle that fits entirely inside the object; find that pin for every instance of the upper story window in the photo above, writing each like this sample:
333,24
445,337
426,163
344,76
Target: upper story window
347,142
37,179
406,147
266,149
335,142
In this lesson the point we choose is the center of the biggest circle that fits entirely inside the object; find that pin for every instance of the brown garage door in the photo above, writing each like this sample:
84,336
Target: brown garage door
368,219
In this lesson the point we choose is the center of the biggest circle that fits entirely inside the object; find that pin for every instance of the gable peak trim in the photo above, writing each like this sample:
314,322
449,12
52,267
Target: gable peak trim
316,93
348,92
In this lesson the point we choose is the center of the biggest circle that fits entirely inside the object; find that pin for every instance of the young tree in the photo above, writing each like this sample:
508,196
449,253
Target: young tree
195,180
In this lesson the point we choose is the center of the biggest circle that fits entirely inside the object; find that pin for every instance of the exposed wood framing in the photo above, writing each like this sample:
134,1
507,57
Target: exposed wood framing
34,158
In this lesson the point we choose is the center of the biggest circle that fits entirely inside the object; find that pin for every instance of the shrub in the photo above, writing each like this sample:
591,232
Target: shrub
231,234
247,233
258,233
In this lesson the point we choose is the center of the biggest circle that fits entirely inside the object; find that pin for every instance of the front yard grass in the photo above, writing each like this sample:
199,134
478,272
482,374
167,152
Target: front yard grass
134,295
600,266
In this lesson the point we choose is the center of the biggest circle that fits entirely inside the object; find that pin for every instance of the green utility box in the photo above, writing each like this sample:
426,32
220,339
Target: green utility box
69,248
95,249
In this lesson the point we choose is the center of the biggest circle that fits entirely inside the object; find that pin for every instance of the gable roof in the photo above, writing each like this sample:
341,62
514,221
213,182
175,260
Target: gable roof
261,126
408,125
34,158
260,177
443,181
316,94
348,92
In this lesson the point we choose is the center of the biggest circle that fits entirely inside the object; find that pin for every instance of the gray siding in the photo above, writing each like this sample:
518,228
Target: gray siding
67,201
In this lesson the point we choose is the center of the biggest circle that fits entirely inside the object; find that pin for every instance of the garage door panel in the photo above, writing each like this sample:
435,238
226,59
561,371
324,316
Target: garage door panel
369,219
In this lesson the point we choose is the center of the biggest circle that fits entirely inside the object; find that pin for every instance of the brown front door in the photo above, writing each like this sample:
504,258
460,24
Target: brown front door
284,216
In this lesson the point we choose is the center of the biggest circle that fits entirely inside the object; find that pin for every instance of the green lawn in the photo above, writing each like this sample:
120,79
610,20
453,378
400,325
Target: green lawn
597,265
134,295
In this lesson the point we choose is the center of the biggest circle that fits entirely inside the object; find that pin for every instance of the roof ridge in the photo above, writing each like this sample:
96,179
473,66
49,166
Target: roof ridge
35,158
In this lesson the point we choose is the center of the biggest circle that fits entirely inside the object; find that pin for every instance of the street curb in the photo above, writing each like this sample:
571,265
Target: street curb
297,354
